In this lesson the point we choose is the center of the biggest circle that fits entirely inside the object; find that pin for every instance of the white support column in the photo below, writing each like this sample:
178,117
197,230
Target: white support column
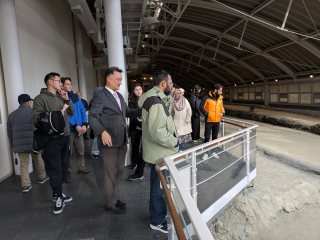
79,57
112,9
10,53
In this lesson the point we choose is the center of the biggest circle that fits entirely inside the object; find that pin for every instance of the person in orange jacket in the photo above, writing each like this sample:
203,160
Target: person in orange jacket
212,108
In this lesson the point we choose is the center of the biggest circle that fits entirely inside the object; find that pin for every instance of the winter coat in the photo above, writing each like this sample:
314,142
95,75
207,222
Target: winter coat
20,129
212,108
195,105
135,125
182,119
48,102
159,134
79,117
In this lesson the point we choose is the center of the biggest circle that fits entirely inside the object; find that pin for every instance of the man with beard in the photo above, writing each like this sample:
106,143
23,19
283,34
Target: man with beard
159,139
212,108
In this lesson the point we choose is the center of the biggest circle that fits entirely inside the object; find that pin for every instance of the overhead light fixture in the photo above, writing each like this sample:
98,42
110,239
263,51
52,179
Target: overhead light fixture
235,84
276,80
252,83
144,78
151,78
311,75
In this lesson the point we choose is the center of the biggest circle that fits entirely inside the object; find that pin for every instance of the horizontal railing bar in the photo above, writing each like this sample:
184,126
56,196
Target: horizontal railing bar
224,169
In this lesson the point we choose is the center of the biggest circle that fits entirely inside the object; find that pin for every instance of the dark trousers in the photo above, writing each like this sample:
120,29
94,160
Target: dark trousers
56,156
113,162
211,127
136,158
157,207
195,124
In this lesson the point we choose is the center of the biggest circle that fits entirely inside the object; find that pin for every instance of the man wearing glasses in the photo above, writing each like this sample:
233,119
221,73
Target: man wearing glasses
159,140
50,111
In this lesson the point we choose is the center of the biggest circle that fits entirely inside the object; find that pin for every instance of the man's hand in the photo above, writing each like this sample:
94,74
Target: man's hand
65,107
79,130
84,129
64,95
106,138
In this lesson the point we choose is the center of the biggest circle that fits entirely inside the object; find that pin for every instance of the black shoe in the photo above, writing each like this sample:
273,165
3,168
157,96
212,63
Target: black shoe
65,198
43,180
93,156
120,204
163,227
135,177
26,189
116,210
59,205
84,172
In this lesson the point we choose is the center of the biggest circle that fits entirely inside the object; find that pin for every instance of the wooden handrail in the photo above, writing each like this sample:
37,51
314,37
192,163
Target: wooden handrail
172,209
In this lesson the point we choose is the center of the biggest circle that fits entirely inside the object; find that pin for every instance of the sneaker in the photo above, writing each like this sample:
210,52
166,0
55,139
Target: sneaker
84,172
205,156
93,156
43,180
164,227
215,155
135,177
65,198
58,207
26,189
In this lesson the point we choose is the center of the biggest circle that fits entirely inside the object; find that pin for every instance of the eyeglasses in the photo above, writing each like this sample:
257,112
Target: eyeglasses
55,80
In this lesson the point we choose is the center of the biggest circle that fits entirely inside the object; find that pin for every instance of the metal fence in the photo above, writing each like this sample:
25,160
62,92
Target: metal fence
205,178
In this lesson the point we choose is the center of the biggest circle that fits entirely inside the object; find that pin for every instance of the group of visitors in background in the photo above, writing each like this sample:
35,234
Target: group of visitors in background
162,120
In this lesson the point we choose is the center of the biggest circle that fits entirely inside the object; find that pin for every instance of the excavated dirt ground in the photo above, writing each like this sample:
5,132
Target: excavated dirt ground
284,204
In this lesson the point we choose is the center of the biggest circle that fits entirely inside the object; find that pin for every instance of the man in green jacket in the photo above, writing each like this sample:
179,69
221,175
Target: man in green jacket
50,111
159,139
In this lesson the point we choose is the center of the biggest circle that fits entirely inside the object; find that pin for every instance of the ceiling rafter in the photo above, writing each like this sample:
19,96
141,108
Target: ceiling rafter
223,53
198,66
298,40
251,47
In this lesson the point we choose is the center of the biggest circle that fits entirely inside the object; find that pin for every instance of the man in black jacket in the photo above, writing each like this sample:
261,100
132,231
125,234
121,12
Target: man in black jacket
20,132
53,103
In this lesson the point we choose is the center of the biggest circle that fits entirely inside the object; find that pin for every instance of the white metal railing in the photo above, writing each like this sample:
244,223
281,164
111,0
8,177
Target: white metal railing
216,179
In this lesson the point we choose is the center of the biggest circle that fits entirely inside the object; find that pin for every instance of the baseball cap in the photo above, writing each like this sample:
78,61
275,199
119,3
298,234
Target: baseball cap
24,98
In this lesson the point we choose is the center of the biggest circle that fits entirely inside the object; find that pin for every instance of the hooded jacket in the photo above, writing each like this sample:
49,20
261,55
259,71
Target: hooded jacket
47,102
159,134
79,117
212,108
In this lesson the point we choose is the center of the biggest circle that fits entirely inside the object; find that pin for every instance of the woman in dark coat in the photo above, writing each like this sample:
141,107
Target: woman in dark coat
135,133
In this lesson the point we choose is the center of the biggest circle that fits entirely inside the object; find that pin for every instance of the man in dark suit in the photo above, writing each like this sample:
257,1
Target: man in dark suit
107,118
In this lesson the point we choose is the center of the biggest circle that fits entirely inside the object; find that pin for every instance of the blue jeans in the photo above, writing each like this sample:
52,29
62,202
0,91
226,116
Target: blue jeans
157,207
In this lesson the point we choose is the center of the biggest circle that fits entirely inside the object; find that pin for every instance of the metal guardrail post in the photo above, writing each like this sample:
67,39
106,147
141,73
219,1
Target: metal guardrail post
194,176
247,154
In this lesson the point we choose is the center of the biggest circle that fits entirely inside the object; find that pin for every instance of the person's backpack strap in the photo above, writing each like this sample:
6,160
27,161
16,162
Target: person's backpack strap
150,101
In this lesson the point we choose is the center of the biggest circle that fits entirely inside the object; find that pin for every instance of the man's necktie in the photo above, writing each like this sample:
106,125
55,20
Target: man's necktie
117,98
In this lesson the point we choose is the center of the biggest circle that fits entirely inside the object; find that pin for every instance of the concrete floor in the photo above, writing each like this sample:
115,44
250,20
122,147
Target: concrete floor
29,216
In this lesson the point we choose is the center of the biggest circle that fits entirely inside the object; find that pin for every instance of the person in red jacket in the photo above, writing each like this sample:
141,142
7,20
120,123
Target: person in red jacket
212,107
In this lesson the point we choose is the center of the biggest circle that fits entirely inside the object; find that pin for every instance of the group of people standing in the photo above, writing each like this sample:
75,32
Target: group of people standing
160,125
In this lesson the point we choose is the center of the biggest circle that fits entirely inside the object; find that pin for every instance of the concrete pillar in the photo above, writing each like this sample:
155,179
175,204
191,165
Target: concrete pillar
10,53
112,10
79,57
266,94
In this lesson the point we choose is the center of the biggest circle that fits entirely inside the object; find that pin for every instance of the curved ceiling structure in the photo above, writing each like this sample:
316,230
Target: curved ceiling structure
226,41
